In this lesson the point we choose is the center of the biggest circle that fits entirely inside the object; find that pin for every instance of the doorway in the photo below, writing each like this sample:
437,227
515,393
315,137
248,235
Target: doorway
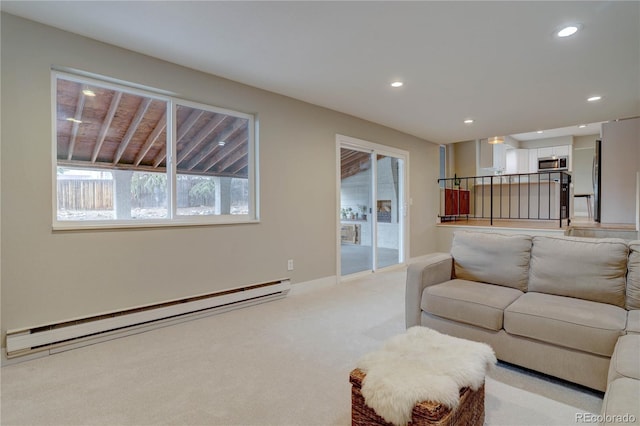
372,212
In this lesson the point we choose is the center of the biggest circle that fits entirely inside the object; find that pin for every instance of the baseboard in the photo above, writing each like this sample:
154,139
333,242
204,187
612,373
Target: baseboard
36,342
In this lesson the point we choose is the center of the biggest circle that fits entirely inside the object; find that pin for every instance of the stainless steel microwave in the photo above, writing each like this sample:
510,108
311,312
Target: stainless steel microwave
553,163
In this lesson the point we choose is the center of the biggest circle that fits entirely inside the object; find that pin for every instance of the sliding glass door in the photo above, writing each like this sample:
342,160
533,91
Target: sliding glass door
372,213
356,193
389,211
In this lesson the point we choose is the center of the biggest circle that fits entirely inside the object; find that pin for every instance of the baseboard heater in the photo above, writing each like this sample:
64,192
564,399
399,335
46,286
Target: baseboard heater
81,332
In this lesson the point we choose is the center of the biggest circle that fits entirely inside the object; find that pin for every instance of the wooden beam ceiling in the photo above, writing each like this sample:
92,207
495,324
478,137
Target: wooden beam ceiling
120,130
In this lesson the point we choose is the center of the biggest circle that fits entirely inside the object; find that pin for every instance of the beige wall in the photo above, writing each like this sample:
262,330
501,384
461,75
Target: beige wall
52,276
465,155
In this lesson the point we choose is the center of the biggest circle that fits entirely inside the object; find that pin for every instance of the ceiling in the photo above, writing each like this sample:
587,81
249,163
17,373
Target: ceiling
497,63
579,130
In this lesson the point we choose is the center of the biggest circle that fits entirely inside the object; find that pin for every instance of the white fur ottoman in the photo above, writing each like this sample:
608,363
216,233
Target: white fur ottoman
421,377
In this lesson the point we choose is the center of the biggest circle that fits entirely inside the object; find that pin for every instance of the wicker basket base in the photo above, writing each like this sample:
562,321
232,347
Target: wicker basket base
470,412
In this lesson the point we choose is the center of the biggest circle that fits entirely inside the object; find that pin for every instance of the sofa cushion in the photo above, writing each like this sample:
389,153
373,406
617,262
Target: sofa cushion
620,404
633,276
564,321
469,302
633,322
625,361
585,268
492,258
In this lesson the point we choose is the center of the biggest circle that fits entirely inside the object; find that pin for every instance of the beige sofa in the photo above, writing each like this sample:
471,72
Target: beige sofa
557,305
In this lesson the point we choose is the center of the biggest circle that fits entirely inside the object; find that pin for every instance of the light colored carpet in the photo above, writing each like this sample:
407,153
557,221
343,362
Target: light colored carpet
285,362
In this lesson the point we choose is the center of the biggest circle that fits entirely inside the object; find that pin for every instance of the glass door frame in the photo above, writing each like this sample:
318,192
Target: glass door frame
374,150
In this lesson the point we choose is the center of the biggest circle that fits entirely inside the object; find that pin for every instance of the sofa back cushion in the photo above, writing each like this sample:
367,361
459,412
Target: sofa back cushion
492,258
633,276
585,268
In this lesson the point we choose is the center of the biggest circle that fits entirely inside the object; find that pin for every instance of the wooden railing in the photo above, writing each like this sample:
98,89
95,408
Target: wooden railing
532,196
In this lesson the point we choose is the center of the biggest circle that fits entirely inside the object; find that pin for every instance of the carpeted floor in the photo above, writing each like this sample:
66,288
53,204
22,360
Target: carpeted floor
285,362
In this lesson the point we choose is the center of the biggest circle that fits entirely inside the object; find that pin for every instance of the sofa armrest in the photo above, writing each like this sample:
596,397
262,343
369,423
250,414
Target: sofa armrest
432,269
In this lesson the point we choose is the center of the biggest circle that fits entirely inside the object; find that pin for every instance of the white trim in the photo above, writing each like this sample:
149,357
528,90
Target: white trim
111,84
374,203
172,219
172,177
363,145
373,148
85,75
336,225
54,149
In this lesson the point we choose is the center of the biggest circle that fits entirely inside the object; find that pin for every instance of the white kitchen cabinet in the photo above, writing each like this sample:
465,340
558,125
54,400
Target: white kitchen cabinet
550,151
500,157
518,161
545,152
533,161
522,161
512,162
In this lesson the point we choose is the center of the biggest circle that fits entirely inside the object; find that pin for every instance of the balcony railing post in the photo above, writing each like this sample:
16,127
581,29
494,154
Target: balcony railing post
561,197
491,200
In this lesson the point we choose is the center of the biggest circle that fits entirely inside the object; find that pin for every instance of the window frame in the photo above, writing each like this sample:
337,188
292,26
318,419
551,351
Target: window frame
172,102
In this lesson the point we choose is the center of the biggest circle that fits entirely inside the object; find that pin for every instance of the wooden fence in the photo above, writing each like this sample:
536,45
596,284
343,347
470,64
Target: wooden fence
97,194
89,194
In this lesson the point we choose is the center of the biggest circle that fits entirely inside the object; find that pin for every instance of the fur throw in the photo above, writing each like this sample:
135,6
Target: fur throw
422,365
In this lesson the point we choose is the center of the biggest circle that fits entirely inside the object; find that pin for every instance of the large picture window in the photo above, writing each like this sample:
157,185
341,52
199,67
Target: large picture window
129,157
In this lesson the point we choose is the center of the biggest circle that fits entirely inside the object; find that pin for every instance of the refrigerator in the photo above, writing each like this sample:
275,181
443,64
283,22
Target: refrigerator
597,182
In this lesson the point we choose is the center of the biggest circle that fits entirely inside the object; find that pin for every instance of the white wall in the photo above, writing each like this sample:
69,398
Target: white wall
53,276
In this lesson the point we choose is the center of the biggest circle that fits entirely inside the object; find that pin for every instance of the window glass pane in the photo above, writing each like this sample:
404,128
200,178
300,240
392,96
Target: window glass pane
111,153
85,194
212,162
98,194
149,198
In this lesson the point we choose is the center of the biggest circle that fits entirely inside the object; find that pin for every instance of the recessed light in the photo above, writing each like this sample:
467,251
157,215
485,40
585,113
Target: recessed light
594,98
73,120
397,84
539,131
468,121
568,31
582,126
88,92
